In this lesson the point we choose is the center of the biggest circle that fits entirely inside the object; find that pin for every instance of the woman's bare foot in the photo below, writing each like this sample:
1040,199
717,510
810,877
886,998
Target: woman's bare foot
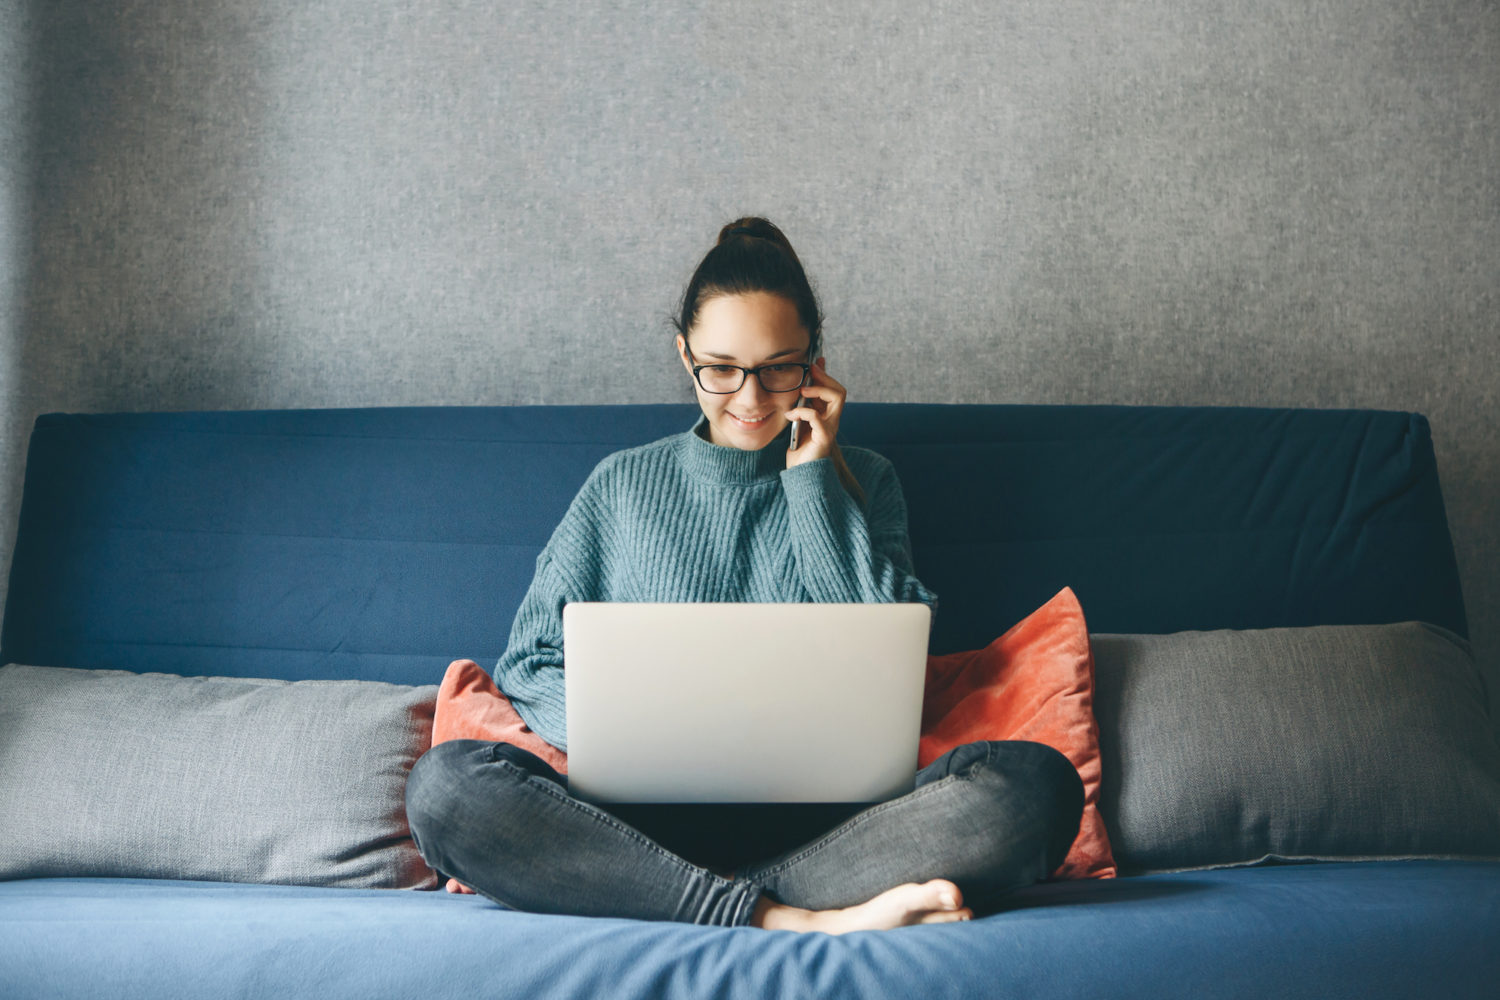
936,902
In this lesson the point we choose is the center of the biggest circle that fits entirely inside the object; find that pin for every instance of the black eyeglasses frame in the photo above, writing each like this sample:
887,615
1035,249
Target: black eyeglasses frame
745,373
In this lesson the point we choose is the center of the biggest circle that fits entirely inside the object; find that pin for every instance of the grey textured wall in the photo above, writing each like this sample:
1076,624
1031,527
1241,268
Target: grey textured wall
353,202
16,159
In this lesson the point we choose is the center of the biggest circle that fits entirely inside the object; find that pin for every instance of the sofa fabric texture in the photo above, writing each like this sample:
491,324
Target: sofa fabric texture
1400,929
1237,746
112,773
383,544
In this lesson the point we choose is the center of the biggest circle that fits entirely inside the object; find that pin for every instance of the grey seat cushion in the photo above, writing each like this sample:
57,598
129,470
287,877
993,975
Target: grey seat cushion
1332,742
111,773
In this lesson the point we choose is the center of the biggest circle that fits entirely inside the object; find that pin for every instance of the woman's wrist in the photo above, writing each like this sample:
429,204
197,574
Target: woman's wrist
831,472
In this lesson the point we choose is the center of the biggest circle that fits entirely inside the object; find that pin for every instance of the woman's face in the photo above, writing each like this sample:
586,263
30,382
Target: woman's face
748,330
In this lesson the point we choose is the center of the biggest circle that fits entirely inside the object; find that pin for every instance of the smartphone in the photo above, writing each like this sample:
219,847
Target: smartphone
797,424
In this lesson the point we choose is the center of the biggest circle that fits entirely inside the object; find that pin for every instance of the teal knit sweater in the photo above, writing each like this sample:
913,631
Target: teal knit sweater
682,519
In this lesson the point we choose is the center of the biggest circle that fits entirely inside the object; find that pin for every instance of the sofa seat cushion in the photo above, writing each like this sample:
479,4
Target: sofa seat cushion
1371,930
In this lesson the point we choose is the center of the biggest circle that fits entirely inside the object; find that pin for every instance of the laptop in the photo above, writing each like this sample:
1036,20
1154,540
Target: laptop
744,702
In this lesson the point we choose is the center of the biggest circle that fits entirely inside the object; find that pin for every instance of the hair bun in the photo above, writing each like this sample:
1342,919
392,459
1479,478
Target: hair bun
754,227
751,255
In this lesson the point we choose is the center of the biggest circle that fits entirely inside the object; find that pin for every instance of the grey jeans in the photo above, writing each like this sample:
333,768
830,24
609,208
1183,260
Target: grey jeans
990,816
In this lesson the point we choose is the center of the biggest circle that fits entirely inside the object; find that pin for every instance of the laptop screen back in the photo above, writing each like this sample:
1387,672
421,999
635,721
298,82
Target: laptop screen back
743,702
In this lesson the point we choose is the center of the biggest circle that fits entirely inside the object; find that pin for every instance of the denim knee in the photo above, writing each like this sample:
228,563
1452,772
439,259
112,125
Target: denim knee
430,787
443,783
1055,785
1053,790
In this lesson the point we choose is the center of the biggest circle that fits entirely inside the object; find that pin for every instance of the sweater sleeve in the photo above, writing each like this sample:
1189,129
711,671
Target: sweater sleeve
570,568
849,554
530,671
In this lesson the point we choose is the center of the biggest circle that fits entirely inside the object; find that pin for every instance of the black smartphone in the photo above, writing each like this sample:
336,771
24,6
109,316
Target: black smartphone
797,424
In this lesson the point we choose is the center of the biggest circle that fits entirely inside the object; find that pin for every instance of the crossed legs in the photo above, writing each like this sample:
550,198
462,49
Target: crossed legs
985,818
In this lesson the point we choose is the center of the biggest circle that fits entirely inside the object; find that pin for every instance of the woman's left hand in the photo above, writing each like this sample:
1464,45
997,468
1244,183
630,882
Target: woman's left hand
822,403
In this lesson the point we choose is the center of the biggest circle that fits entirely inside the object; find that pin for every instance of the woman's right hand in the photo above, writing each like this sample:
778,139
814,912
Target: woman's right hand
819,439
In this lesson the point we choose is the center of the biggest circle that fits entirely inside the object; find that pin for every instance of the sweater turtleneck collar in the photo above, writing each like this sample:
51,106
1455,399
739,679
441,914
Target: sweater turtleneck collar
722,464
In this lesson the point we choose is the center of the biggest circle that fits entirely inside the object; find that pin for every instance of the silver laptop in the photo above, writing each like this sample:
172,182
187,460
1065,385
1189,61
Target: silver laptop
743,702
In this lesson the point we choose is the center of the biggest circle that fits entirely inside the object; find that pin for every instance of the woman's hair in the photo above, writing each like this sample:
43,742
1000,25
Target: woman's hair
752,255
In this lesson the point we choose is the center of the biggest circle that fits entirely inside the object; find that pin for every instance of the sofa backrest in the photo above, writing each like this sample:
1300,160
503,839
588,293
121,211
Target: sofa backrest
383,543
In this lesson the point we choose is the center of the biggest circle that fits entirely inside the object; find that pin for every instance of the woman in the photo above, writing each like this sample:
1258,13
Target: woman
729,511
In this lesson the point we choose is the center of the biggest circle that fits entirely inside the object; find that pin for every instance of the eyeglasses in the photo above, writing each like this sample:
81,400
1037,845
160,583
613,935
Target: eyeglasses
723,379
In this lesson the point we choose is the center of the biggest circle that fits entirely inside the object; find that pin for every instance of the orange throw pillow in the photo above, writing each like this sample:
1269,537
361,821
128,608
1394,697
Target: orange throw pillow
471,707
1035,682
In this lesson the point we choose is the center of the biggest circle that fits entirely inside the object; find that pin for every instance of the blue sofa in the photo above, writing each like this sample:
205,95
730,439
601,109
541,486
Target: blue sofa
381,544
